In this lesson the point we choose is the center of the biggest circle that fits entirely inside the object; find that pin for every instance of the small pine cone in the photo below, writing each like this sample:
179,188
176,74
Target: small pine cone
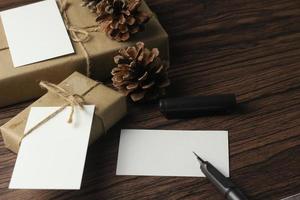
121,18
90,4
140,73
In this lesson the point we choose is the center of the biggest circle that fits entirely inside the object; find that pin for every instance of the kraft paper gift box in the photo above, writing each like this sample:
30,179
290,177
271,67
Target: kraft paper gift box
20,84
111,106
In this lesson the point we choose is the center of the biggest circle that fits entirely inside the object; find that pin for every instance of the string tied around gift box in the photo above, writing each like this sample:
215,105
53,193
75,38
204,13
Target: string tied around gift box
73,100
3,48
78,34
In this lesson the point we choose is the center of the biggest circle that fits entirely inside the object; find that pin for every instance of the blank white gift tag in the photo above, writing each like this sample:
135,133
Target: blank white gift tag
170,153
36,32
53,155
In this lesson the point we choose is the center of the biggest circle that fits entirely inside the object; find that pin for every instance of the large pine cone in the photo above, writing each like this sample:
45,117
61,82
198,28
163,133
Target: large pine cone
140,73
90,4
120,18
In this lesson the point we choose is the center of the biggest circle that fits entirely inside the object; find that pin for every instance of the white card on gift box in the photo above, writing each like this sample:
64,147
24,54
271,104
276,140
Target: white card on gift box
36,32
170,153
53,155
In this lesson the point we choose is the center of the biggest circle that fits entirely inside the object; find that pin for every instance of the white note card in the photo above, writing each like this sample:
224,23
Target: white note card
170,153
36,32
53,155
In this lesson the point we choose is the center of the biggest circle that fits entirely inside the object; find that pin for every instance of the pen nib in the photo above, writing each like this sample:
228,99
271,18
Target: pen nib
198,158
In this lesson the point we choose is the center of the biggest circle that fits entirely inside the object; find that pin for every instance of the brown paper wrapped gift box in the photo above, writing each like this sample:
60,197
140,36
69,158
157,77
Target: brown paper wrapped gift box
21,84
110,108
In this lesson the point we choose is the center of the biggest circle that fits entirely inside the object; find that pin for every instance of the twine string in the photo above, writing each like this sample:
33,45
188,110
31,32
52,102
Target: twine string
3,48
79,35
73,100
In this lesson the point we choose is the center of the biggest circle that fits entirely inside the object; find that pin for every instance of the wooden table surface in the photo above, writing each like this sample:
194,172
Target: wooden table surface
247,47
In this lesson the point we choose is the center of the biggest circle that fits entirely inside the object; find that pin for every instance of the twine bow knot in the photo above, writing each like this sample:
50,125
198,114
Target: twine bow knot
79,34
72,99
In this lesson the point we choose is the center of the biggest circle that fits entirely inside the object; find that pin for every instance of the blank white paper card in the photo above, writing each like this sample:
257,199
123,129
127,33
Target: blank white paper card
170,153
53,155
36,32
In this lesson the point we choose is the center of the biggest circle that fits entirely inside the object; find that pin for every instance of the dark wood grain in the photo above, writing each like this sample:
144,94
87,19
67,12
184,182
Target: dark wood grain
247,47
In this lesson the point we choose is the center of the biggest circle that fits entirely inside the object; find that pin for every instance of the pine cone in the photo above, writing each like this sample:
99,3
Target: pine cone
120,18
90,4
140,73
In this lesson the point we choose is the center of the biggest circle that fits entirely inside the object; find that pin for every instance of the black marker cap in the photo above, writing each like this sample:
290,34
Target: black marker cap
187,107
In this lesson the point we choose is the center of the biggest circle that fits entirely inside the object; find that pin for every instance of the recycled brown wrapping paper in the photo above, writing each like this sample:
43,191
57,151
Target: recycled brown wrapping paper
110,108
21,84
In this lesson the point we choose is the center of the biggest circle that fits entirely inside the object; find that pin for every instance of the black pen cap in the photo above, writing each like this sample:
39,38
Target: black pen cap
187,107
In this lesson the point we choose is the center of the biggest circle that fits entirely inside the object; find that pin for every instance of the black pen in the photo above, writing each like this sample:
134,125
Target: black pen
223,184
